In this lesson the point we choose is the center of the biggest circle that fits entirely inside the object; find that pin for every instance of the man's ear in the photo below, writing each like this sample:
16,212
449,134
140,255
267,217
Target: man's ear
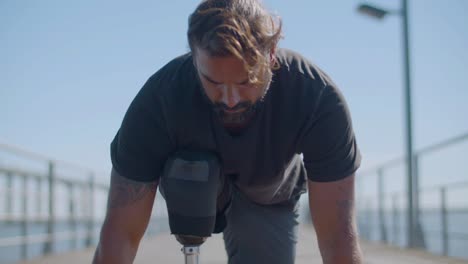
194,57
194,61
273,55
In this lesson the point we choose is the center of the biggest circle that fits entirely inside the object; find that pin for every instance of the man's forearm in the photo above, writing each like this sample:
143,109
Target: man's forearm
341,250
340,245
332,210
128,213
114,249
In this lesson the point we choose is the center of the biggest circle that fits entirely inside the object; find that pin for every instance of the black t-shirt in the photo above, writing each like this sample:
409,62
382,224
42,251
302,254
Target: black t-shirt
303,113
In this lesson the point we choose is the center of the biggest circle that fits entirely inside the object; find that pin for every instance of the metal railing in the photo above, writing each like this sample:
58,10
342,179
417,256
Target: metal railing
80,197
34,193
381,212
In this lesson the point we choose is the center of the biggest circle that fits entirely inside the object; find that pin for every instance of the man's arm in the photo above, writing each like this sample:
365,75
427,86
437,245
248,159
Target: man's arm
128,212
332,209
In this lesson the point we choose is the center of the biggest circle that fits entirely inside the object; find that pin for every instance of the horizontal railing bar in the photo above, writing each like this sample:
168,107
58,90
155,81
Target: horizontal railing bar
432,232
39,157
436,188
389,211
459,236
32,155
458,211
22,173
387,164
451,235
25,153
438,231
62,180
443,144
16,172
449,211
424,150
455,185
40,219
42,238
45,219
101,185
447,186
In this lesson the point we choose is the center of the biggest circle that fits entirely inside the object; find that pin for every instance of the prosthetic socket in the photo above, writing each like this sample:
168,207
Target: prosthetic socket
190,184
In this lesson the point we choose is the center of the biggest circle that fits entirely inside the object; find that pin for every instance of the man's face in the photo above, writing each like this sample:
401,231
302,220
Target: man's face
226,83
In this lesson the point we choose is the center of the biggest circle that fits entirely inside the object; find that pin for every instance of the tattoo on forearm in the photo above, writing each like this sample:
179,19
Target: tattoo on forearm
124,191
347,239
346,213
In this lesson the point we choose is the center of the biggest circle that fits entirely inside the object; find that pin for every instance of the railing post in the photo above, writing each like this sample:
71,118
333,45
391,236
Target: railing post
445,237
368,220
380,188
48,248
38,197
72,214
24,220
89,240
9,195
395,219
419,240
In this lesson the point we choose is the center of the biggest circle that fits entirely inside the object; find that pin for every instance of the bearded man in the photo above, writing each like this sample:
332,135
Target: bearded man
278,124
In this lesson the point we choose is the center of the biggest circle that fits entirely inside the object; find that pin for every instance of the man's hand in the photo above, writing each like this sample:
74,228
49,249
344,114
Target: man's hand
128,212
332,209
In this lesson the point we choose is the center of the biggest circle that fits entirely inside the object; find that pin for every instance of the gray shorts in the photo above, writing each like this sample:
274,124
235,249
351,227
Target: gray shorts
261,233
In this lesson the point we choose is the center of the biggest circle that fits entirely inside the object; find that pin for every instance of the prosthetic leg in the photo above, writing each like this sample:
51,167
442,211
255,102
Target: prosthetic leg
191,247
190,184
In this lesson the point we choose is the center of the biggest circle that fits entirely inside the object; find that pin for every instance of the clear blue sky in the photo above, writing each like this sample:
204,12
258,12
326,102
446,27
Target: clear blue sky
69,69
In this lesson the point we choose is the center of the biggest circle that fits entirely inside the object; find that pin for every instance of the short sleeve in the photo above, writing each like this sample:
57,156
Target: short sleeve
328,143
142,143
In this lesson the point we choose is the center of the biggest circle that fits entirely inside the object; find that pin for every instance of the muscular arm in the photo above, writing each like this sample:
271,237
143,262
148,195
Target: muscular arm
332,209
128,212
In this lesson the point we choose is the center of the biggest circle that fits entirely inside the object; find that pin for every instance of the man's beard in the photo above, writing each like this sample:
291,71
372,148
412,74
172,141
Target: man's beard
249,109
238,118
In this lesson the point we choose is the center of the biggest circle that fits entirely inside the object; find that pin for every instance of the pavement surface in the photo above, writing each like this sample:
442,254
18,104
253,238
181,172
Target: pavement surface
165,249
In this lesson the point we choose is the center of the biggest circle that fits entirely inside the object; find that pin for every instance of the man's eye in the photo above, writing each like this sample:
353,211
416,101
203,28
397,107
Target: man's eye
214,83
245,85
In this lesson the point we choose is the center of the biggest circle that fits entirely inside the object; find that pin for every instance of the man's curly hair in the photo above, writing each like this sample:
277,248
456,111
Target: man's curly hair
242,28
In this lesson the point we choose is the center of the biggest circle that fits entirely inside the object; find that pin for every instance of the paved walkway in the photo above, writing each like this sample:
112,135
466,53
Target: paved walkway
165,249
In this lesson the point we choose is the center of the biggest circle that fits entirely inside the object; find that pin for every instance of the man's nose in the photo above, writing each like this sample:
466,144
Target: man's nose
230,97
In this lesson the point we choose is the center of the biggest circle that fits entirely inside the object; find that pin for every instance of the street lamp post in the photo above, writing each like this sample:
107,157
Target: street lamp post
414,231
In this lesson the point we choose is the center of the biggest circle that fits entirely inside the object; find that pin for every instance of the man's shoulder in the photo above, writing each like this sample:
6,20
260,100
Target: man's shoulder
293,60
293,64
175,86
175,80
288,56
298,85
175,69
171,87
